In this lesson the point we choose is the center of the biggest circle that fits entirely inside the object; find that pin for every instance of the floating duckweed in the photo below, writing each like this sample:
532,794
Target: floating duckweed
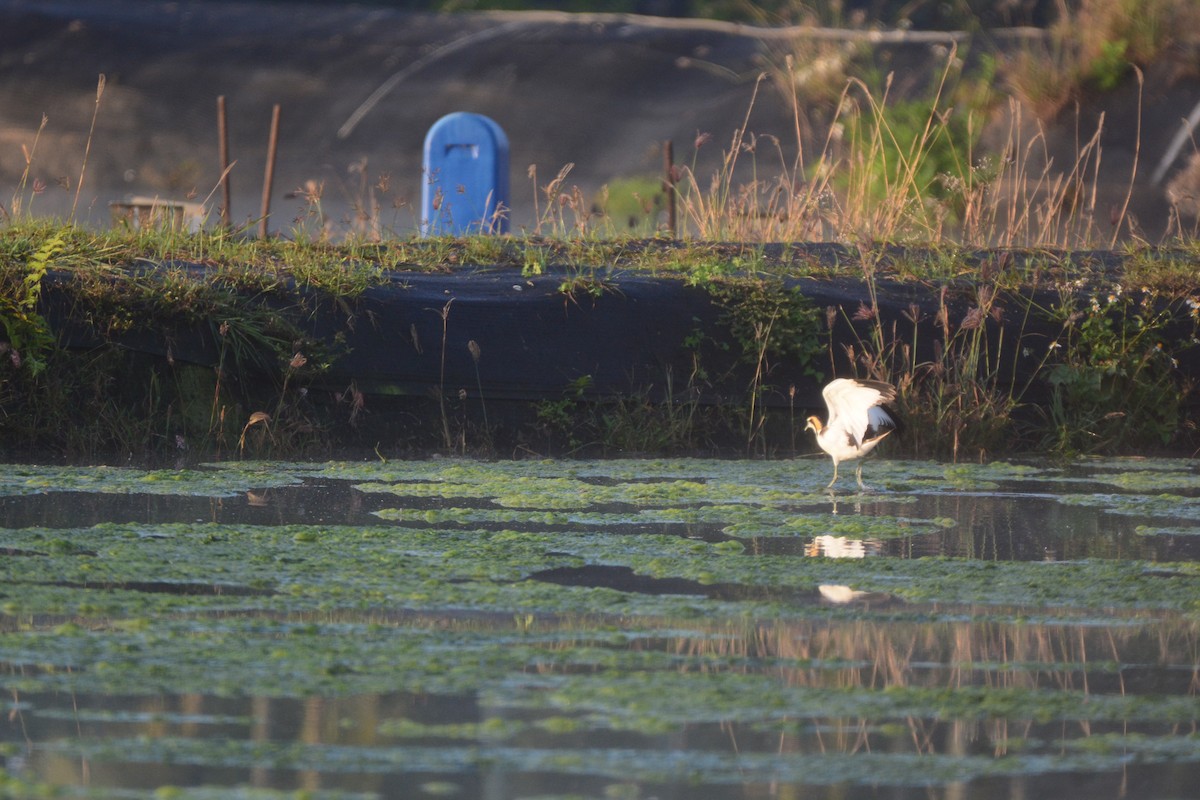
695,697
1158,530
404,728
1151,481
555,605
475,516
19,480
1157,505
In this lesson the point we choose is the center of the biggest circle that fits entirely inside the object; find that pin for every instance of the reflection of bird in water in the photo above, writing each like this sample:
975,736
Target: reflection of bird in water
840,594
842,547
835,593
858,420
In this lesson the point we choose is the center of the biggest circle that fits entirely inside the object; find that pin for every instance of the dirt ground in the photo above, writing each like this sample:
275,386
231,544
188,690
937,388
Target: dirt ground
359,88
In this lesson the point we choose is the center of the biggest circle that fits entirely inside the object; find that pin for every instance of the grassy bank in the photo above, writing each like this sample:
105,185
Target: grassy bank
994,351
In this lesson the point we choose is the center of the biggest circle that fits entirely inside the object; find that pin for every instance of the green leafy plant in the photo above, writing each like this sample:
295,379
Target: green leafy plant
632,204
1109,65
561,417
770,322
902,155
29,335
1114,378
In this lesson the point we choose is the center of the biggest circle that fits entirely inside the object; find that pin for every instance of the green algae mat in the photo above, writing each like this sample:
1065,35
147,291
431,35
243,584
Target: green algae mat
600,629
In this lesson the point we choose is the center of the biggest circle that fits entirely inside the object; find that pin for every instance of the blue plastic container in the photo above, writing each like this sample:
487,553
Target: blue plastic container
464,187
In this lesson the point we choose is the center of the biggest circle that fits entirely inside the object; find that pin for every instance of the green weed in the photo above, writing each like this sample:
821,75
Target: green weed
1114,377
770,324
29,335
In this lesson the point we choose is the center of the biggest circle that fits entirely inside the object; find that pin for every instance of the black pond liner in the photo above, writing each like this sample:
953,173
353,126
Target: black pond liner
482,338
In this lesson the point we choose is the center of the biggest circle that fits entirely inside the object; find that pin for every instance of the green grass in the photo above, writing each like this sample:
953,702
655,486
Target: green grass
345,270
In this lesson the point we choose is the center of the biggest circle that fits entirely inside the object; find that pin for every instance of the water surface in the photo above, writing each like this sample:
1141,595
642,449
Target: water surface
627,628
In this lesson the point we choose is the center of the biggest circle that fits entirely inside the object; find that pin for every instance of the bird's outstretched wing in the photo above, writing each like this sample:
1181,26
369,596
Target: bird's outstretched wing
855,407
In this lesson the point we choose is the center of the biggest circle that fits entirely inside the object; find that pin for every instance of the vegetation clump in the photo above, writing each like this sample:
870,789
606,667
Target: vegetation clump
221,345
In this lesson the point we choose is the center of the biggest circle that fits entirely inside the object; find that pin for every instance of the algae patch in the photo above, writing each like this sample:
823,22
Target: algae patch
18,480
567,618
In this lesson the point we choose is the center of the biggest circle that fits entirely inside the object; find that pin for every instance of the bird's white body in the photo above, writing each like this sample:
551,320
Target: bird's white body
858,420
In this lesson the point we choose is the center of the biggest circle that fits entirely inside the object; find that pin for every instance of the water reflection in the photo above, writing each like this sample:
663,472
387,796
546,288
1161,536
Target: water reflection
984,696
848,694
993,526
842,547
327,502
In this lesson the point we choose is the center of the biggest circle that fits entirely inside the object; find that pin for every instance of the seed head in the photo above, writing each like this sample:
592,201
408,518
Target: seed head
972,320
865,312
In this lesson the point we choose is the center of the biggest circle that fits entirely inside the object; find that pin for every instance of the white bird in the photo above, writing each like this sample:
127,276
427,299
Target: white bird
858,420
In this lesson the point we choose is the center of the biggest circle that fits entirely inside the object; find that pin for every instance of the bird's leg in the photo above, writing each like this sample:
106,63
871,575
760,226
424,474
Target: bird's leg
858,474
832,482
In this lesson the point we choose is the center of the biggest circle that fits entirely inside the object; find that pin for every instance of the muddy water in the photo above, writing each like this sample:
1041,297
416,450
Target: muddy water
627,629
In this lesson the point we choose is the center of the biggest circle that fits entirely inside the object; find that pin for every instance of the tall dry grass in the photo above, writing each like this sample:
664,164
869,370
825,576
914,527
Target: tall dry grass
1092,46
884,174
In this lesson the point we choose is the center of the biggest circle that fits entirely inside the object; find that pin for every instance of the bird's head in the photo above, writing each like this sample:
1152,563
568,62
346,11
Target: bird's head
814,424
